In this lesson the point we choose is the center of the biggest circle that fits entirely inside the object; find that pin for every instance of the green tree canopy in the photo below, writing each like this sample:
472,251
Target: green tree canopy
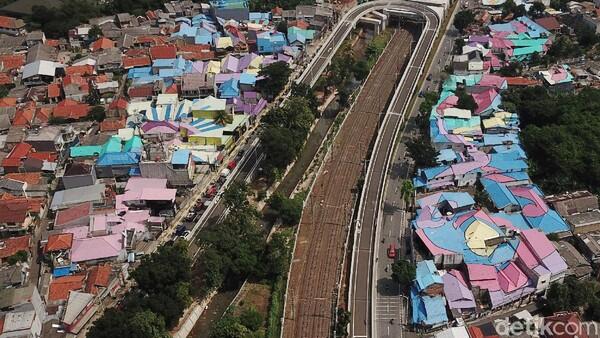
275,78
463,19
403,272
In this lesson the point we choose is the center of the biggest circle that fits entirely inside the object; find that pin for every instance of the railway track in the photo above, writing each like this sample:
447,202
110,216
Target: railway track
320,243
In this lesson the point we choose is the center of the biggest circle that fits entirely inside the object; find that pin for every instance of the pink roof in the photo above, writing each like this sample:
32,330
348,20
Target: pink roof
511,278
490,80
527,256
535,209
480,272
537,242
96,247
484,99
137,184
151,194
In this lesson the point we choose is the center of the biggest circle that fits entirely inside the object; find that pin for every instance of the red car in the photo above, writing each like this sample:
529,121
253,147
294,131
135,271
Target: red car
391,251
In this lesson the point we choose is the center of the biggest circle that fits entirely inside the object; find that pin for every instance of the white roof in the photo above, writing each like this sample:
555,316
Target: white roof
85,61
453,332
458,113
210,103
167,99
137,107
110,84
17,321
75,304
40,67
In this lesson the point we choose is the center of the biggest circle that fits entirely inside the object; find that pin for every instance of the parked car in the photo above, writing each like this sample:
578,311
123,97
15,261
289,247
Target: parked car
391,251
180,230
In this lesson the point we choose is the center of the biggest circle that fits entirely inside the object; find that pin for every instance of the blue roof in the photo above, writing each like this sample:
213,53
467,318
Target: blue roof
499,139
434,171
426,310
427,275
446,155
110,159
499,194
229,89
248,79
515,219
180,157
549,223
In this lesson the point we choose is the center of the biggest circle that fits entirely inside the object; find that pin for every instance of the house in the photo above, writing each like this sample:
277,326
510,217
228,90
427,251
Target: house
80,308
70,110
15,215
579,267
102,44
39,72
230,9
426,295
163,52
12,26
60,288
550,23
27,312
589,244
208,107
197,85
557,78
34,38
556,326
109,60
77,174
67,198
12,245
270,42
117,108
591,22
573,202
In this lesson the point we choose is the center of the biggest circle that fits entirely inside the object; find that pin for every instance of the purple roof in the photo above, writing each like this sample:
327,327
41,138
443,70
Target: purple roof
245,61
457,292
250,95
230,64
479,38
198,67
164,126
222,78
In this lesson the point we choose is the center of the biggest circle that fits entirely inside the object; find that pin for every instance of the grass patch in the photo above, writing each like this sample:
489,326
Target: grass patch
276,305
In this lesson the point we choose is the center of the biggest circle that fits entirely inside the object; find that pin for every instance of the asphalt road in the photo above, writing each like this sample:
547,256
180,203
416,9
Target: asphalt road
361,274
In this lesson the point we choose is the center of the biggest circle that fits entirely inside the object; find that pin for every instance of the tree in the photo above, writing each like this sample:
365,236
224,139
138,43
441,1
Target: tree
275,78
281,146
18,257
537,10
251,318
229,327
465,100
361,70
288,209
512,69
520,11
277,254
116,323
343,319
223,118
407,191
509,7
282,27
95,32
157,272
422,153
236,196
306,92
464,19
97,113
459,43
403,272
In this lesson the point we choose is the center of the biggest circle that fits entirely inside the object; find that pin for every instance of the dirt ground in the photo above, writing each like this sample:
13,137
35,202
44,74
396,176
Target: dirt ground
255,295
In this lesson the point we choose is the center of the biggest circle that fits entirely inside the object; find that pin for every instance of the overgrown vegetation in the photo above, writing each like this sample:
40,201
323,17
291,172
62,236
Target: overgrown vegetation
560,135
276,76
246,325
288,210
158,301
463,19
574,295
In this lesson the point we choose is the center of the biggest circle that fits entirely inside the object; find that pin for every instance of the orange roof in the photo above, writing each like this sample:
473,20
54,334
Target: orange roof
49,156
12,23
53,90
12,61
199,56
23,116
52,42
29,178
299,23
98,275
137,52
42,114
152,40
194,48
172,89
61,287
77,79
15,244
112,125
70,109
521,81
59,242
102,43
8,102
119,103
80,70
139,61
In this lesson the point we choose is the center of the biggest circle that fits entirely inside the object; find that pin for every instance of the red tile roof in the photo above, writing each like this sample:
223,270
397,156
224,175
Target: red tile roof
112,125
163,52
14,244
70,109
80,70
24,116
29,178
550,23
565,325
172,89
49,156
8,102
119,103
5,79
18,153
61,287
54,90
137,52
194,48
12,61
199,56
143,91
13,211
52,42
152,40
59,242
98,276
72,214
102,43
42,114
11,23
521,81
139,61
299,23
34,204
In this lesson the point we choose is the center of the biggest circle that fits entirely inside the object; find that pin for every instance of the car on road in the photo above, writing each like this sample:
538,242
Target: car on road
391,251
429,77
180,230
